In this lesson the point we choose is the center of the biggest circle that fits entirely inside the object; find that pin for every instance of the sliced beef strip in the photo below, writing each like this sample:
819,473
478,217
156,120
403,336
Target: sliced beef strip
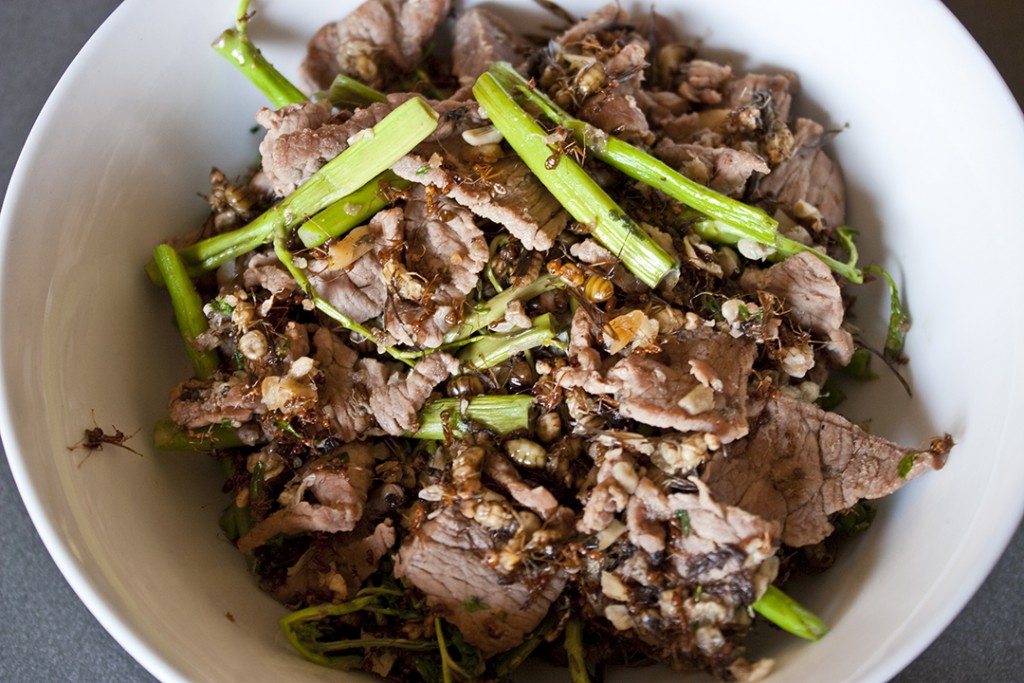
344,396
811,297
723,169
810,176
357,290
610,104
500,189
363,396
196,403
536,498
378,39
300,139
779,88
665,389
396,407
335,566
481,37
431,252
682,574
445,559
338,483
801,464
264,270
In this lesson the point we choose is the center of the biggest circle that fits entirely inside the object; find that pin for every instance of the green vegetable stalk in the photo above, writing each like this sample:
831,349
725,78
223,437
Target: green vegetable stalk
348,92
351,211
501,414
581,196
348,177
493,309
188,309
574,651
789,615
167,436
494,349
235,46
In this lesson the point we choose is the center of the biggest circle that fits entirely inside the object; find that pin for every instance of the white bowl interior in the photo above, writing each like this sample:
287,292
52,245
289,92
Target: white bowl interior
122,149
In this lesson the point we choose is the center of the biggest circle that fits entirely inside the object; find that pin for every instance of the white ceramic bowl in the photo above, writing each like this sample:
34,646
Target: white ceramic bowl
127,140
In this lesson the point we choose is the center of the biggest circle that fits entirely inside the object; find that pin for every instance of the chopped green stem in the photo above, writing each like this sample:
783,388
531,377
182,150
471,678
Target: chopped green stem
372,153
493,310
636,163
899,321
325,307
574,652
727,233
575,190
168,436
346,91
235,46
351,211
492,349
501,414
188,309
789,615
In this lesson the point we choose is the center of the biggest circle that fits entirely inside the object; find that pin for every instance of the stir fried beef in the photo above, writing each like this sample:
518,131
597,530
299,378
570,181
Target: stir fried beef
677,573
809,182
801,465
334,567
337,483
811,296
301,138
470,423
377,41
478,174
446,559
481,37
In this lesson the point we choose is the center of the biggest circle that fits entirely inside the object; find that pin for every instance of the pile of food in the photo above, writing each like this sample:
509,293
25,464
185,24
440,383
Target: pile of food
528,348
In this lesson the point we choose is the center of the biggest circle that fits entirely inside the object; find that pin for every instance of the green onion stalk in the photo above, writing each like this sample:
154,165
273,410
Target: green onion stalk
235,46
492,310
575,653
352,177
575,190
188,309
789,615
725,220
347,91
168,436
501,414
494,349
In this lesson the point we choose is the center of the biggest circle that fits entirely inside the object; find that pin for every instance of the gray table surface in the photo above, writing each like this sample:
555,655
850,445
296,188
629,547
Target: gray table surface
46,634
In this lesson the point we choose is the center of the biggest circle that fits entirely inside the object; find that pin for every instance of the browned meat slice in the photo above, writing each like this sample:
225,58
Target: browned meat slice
445,558
536,498
680,574
357,289
300,139
431,253
811,297
809,177
698,382
196,403
802,464
362,396
598,65
338,483
723,169
774,89
345,396
334,567
482,37
705,81
379,39
397,405
484,179
265,271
